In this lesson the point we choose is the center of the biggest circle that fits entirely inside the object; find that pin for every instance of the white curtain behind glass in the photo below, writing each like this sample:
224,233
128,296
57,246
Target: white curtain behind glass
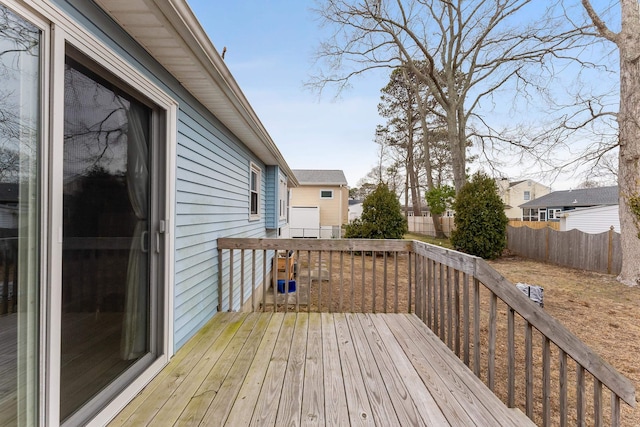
134,336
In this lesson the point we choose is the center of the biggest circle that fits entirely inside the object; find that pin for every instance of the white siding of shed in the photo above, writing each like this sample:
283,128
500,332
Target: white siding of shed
591,220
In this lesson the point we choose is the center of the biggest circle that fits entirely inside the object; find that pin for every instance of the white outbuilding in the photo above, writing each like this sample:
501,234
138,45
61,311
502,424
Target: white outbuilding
597,219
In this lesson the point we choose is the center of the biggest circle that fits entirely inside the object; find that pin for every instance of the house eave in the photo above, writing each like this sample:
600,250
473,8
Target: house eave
170,32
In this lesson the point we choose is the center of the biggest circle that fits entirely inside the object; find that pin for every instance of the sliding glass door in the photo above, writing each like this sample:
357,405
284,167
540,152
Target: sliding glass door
107,258
20,100
83,205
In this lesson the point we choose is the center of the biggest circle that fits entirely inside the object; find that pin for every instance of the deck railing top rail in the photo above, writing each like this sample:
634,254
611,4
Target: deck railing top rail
481,272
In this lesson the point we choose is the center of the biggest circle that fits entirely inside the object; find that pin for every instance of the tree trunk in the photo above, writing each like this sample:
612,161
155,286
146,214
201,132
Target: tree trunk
458,156
437,226
406,195
629,139
413,180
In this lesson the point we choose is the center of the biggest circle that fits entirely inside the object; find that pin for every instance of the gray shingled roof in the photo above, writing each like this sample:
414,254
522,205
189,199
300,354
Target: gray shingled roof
582,197
320,177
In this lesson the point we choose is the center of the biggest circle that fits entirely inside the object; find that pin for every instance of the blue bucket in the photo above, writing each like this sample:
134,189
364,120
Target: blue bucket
291,287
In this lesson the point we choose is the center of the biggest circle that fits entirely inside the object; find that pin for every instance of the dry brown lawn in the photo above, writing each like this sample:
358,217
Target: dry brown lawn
603,313
595,307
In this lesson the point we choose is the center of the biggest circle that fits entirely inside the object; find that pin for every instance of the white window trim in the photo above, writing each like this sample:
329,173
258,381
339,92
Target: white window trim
526,195
553,213
282,198
258,171
326,198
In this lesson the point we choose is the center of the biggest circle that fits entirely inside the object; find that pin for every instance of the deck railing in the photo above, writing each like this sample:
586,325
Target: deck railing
477,313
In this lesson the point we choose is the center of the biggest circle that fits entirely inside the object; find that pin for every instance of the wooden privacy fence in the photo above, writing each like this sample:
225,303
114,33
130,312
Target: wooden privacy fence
576,249
524,355
535,224
424,225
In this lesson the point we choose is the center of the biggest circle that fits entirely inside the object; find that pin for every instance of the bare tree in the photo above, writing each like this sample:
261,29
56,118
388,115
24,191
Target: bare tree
627,41
398,106
486,41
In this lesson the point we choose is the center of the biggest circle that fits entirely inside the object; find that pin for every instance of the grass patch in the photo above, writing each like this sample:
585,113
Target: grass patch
445,243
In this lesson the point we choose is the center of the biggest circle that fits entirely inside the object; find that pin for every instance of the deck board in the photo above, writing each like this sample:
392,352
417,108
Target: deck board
313,392
269,398
247,398
335,399
379,398
314,370
143,409
358,405
190,401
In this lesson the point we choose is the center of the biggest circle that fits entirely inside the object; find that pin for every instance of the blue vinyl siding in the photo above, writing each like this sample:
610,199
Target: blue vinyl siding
212,188
271,194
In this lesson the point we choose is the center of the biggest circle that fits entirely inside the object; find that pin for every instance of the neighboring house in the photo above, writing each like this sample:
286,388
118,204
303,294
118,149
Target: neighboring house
408,211
137,150
593,220
326,190
553,205
513,194
355,209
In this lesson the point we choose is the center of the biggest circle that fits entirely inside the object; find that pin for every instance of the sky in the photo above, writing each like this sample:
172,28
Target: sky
270,46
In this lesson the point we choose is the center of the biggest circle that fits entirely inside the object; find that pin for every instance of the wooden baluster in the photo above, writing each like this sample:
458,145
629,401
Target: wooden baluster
429,280
423,280
493,310
597,402
309,287
373,279
362,308
436,319
330,280
274,279
441,301
294,258
395,280
410,283
563,388
219,280
421,289
253,280
476,327
264,280
449,309
546,381
285,287
418,288
465,318
341,280
353,281
528,361
320,281
580,402
384,281
615,410
456,310
241,278
231,268
511,359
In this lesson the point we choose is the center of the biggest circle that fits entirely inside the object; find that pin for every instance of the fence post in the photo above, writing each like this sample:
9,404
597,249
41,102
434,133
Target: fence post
610,251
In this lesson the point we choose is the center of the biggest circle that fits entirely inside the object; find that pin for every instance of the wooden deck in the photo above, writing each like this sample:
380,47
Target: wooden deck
317,369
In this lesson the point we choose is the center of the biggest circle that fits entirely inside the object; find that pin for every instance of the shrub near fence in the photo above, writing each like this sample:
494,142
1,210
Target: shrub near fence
576,249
